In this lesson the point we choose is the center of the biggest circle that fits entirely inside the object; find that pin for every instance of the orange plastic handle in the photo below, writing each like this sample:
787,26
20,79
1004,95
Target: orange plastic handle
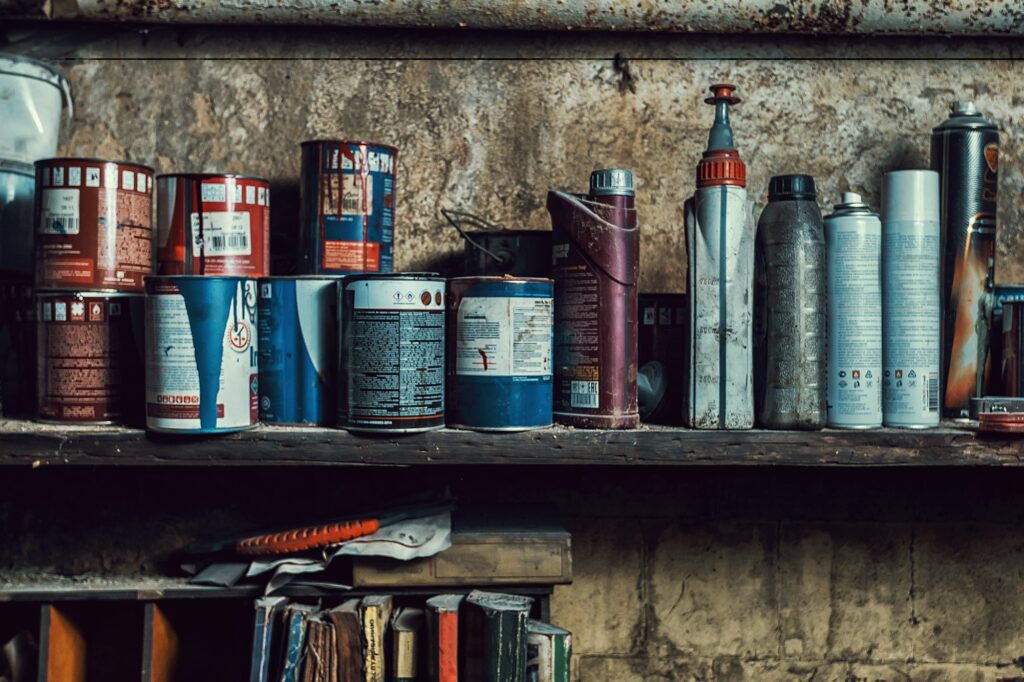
310,537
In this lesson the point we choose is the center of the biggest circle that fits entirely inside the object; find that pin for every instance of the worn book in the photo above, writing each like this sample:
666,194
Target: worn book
266,638
318,661
548,653
482,553
374,615
494,627
296,617
443,637
348,639
407,635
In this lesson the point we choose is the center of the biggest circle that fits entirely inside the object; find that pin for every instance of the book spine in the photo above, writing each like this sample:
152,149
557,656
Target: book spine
447,646
506,647
373,651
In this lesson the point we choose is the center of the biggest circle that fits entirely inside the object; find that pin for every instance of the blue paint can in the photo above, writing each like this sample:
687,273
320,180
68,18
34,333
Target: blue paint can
298,339
500,332
201,354
347,208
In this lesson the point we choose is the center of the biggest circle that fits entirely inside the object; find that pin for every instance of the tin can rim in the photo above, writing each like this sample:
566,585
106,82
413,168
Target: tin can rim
367,143
212,176
165,278
9,166
284,278
89,159
510,279
508,233
393,275
90,294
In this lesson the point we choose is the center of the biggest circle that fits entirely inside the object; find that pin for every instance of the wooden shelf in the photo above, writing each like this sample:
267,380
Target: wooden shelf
27,443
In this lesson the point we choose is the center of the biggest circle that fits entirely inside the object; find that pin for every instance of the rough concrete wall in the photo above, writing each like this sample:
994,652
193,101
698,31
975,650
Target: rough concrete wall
489,124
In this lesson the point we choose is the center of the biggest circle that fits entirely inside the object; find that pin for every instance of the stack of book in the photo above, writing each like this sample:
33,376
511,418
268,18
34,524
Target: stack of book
484,636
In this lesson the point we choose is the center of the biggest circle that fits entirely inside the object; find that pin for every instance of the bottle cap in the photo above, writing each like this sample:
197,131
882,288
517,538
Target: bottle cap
910,195
721,164
791,187
963,114
851,204
614,181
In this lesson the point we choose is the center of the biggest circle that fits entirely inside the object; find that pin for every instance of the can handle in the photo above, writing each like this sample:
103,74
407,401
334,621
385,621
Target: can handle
456,218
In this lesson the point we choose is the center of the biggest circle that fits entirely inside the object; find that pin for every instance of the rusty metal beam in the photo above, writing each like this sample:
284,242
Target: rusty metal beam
917,17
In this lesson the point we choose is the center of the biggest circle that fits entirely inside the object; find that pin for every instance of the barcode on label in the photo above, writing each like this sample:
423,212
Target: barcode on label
350,203
231,241
933,394
61,225
583,394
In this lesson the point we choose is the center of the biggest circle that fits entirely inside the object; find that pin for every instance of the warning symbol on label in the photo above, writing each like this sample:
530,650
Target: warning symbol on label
96,311
856,374
899,374
911,374
867,374
239,335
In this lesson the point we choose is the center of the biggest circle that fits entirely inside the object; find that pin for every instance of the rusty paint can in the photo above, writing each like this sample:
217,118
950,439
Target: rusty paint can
94,225
1012,369
499,353
391,343
89,357
595,254
347,209
17,348
213,224
661,379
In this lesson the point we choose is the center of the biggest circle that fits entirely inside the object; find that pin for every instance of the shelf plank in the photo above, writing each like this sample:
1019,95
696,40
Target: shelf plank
31,444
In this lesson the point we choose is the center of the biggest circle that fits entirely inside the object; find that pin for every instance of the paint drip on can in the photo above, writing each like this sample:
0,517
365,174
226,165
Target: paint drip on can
499,353
965,153
596,256
911,300
210,224
17,349
1011,370
90,366
298,349
17,202
201,354
391,344
347,209
720,278
661,379
853,238
94,225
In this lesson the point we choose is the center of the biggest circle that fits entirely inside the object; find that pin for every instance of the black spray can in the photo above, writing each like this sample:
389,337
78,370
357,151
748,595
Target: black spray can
790,344
965,152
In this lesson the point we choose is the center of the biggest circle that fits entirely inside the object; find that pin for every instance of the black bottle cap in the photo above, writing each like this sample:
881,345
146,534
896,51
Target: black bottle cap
791,187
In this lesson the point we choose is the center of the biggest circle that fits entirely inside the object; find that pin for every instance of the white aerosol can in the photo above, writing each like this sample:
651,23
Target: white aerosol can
853,242
911,299
720,249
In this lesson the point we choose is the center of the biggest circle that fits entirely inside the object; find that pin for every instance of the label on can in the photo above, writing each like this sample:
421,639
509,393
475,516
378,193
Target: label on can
59,212
223,234
201,362
579,353
504,336
393,354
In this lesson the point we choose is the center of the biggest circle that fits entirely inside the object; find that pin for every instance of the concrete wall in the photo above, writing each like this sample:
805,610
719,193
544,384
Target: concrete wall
839,575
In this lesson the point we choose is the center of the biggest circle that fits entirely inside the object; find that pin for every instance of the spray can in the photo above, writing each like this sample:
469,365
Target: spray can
911,301
720,249
789,339
853,238
965,153
596,264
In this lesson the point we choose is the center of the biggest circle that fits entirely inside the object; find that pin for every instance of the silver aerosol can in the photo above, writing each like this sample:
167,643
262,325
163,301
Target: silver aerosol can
911,299
720,250
789,308
853,238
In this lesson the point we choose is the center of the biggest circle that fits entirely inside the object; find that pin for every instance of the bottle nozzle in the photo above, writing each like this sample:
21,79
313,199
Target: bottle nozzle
721,132
721,164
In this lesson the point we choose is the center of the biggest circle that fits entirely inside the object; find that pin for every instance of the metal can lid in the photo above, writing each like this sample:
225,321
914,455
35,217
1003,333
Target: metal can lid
791,188
851,204
612,181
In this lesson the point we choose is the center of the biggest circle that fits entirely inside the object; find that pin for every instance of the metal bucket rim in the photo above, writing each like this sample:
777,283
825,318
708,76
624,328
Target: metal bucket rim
213,176
85,159
361,143
508,279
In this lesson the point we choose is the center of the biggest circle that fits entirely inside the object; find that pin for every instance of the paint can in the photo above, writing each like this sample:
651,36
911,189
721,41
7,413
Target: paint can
1011,368
661,379
853,240
17,236
201,354
595,254
391,346
17,349
89,357
499,353
94,225
965,153
911,301
213,224
347,209
298,341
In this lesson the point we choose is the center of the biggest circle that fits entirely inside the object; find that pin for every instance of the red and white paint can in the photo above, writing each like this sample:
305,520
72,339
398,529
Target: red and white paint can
211,224
94,225
90,366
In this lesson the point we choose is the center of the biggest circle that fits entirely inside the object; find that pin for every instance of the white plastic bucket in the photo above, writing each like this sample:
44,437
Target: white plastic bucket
31,97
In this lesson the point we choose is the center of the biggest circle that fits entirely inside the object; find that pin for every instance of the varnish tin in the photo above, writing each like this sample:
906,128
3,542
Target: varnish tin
89,357
298,354
500,332
391,338
201,354
213,224
347,214
94,225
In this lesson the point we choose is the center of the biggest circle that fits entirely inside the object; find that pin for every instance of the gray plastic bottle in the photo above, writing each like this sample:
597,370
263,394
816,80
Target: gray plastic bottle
790,343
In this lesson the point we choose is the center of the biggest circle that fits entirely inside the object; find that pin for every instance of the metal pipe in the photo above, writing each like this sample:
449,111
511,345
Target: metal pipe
965,17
